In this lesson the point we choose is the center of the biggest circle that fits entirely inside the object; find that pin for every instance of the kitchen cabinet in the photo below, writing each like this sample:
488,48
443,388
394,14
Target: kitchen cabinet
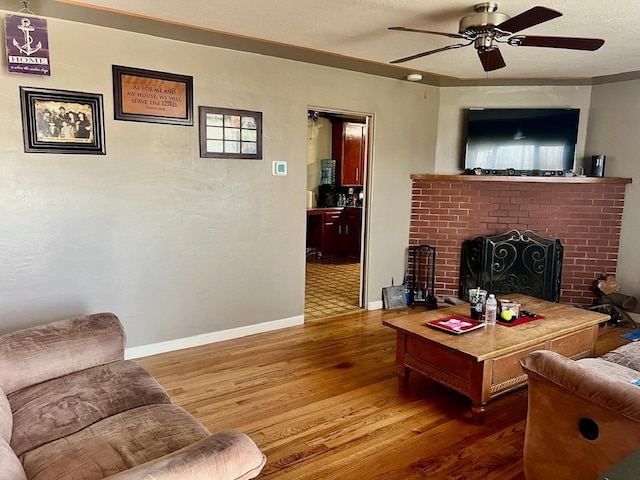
350,232
335,231
349,149
331,233
315,228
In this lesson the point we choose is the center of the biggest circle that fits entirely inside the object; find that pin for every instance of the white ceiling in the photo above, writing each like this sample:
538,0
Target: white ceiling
358,29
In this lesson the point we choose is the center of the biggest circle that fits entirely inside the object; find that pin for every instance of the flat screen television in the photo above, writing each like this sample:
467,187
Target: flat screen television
526,140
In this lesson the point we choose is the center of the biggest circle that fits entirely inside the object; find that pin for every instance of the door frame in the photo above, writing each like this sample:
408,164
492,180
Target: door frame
366,188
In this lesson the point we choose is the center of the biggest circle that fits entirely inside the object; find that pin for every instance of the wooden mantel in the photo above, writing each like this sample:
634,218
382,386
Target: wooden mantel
524,179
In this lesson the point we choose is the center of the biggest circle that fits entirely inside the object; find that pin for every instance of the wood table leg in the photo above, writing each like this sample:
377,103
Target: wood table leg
480,391
403,375
478,413
401,369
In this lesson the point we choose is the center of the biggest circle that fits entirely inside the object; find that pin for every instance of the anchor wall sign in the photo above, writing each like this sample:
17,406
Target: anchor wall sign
27,45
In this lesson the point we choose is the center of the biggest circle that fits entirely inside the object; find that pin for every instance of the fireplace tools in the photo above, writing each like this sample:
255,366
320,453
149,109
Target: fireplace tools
421,276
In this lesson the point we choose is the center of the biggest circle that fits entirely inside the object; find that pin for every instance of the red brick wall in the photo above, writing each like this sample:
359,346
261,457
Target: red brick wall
585,214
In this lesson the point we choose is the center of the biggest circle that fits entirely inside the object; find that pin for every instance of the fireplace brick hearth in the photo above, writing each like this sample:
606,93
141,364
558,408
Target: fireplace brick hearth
584,213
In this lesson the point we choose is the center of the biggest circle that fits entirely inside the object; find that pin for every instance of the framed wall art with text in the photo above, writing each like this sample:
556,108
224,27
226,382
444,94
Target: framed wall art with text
148,96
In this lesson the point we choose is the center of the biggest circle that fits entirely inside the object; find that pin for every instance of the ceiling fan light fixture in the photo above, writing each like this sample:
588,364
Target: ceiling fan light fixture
414,77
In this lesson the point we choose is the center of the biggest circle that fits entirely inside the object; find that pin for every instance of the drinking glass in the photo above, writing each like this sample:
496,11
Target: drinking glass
477,298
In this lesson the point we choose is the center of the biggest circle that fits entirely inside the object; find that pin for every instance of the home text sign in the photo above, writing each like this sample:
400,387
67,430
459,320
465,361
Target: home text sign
27,45
147,96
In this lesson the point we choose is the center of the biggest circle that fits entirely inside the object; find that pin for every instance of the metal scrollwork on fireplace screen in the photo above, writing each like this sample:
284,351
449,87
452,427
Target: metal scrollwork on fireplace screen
512,262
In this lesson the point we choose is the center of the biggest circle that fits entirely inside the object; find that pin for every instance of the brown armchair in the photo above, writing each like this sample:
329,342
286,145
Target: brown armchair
583,417
72,408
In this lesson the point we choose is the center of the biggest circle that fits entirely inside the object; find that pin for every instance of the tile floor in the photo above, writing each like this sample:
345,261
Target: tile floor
332,287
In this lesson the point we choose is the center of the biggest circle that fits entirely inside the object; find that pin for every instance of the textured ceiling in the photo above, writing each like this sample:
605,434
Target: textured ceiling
358,29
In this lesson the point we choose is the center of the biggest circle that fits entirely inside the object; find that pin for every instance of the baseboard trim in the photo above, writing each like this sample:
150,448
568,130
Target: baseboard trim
212,337
377,305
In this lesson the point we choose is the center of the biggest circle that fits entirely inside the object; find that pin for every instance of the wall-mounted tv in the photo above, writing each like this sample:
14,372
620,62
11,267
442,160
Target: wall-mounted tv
526,140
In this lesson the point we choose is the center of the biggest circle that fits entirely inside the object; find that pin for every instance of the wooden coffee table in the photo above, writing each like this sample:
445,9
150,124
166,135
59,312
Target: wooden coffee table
485,363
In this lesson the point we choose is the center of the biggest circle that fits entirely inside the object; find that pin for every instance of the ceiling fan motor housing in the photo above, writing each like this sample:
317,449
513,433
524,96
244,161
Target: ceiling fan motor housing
485,17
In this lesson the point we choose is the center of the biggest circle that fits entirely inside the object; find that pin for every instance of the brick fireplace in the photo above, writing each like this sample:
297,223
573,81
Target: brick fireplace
585,214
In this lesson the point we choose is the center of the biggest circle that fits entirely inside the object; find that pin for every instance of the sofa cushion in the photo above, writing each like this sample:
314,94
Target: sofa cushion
38,354
10,466
62,406
115,444
6,418
627,355
611,370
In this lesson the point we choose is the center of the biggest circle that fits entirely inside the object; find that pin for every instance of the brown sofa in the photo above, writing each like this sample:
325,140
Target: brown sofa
72,408
584,415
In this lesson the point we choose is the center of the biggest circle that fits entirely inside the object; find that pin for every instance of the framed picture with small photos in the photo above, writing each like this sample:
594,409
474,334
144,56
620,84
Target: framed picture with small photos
228,133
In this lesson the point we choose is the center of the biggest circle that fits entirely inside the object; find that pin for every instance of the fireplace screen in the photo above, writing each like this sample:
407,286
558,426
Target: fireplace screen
512,262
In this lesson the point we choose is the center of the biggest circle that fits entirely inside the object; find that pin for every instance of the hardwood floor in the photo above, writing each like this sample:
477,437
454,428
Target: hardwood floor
322,402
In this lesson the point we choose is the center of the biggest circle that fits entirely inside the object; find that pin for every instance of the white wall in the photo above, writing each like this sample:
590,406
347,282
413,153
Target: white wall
318,148
613,131
174,244
455,100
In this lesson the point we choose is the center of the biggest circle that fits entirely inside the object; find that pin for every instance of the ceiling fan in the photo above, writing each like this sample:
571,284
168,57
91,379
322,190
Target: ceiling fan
487,27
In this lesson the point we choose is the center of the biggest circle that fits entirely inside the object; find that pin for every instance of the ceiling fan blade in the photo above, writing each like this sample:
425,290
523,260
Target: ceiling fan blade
527,19
491,59
430,52
405,29
572,43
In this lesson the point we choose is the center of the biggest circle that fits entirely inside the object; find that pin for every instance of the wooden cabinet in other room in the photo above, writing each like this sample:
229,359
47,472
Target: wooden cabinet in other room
349,148
331,235
335,231
350,232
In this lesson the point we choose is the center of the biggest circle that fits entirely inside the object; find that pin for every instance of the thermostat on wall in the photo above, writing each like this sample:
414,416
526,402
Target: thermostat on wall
279,168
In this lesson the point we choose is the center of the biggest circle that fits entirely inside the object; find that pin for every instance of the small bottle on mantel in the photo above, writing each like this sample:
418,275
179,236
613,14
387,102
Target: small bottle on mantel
491,310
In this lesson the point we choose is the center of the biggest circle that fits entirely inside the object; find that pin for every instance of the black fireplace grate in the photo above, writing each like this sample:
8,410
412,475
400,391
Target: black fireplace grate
512,262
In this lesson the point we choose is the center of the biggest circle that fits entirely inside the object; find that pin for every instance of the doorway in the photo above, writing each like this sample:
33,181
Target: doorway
338,153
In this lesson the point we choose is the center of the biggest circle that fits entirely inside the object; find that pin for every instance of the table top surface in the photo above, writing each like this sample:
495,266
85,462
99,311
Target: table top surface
497,340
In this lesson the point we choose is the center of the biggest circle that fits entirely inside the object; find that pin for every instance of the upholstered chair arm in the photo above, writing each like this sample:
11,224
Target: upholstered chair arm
582,418
597,385
226,455
37,354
